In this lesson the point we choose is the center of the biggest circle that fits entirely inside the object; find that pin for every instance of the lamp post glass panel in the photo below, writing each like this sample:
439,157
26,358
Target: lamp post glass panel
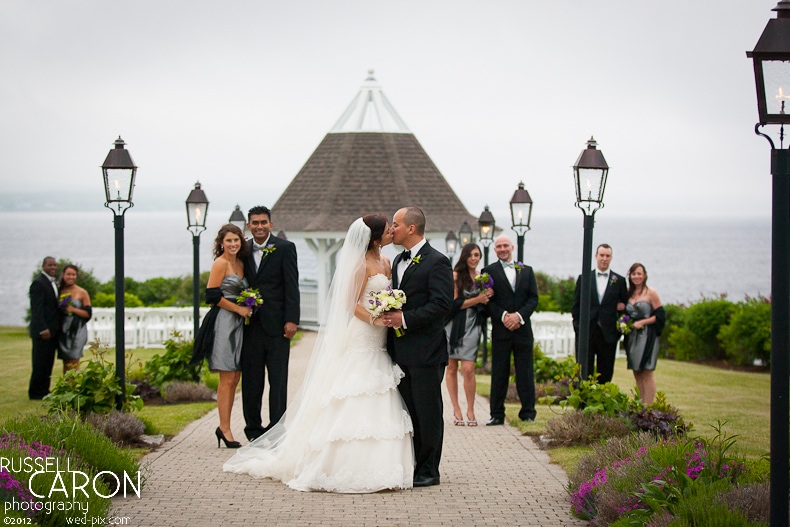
119,172
771,59
487,224
451,243
589,173
465,234
237,218
521,215
197,209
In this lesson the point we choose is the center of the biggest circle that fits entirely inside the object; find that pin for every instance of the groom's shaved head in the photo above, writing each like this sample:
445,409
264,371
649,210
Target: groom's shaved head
415,216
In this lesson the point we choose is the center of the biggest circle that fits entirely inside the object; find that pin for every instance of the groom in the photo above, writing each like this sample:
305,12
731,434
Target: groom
426,277
271,269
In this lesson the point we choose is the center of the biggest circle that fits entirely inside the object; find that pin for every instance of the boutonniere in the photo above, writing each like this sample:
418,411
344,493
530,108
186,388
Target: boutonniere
613,279
269,249
416,259
518,266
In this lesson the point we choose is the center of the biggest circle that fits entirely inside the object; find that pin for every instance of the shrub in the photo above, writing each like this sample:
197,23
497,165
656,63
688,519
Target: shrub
145,389
548,369
557,292
673,479
108,300
92,388
78,440
122,428
748,335
174,365
187,392
660,418
753,499
594,398
696,338
674,321
578,428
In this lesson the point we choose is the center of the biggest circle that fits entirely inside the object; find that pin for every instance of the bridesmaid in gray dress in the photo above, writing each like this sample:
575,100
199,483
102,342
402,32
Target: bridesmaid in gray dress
75,306
641,343
463,332
225,283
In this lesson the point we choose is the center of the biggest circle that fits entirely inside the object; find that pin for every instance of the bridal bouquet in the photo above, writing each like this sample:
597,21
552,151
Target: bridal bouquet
624,324
250,298
388,299
483,282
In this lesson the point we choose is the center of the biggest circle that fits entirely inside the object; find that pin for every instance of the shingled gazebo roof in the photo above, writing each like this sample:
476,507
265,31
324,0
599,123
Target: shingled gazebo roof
368,162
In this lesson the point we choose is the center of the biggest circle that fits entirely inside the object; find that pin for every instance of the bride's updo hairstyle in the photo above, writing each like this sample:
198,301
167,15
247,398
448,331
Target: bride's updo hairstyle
377,223
223,231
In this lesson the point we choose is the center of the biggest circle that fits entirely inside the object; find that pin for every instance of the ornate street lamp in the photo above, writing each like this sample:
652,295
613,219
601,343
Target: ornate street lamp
237,218
771,57
465,234
521,215
119,172
487,224
589,174
197,208
451,243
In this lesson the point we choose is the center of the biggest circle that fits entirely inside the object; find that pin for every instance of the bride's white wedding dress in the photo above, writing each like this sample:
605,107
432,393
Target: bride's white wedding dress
353,437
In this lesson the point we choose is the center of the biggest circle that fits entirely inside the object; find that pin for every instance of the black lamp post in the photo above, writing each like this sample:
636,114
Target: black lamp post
197,208
119,172
465,234
589,174
237,218
771,57
487,223
521,215
451,243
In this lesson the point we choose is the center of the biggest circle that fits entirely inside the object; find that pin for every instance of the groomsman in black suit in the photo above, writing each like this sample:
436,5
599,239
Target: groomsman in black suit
426,277
515,299
44,327
608,297
271,269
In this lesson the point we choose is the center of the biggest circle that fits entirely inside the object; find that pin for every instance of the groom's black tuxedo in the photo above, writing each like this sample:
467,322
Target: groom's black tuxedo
422,351
523,299
264,346
44,314
603,322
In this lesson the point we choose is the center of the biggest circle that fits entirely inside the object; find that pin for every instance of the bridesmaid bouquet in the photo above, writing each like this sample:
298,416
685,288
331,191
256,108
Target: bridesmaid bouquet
65,302
388,299
250,298
624,324
483,282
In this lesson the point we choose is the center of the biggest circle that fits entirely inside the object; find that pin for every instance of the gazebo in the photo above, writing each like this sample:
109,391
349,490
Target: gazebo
368,162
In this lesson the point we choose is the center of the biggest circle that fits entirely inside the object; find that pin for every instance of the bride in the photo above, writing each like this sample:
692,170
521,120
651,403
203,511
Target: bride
348,429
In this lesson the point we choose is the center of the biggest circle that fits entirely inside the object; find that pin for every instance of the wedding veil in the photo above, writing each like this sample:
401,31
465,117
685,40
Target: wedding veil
276,454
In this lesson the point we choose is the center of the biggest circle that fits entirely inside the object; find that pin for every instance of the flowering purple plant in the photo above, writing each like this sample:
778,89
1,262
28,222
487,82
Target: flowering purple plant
250,298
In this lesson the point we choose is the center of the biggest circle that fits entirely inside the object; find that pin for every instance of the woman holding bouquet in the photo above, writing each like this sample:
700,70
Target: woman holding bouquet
641,342
75,306
347,430
463,330
220,336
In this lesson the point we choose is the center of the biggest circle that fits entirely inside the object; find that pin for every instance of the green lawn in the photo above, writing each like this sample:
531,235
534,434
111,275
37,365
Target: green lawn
703,394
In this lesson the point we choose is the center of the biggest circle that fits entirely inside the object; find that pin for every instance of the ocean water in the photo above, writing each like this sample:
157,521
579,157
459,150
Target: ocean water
685,258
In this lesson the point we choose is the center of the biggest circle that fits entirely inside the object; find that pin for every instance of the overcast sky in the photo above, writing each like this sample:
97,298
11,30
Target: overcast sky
238,94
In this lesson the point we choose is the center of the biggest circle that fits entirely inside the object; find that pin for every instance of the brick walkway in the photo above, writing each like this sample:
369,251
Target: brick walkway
490,476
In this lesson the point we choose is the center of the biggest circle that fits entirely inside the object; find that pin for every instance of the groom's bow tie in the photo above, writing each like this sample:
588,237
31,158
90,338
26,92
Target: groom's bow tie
256,247
405,255
602,274
507,264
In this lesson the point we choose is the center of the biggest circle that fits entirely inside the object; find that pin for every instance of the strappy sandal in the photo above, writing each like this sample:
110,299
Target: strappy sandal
471,422
460,422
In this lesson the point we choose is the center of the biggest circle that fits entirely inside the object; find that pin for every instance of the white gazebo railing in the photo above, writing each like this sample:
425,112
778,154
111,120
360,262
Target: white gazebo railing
149,327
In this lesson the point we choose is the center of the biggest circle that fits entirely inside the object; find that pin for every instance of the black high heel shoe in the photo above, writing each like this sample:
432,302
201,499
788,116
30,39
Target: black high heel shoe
228,444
